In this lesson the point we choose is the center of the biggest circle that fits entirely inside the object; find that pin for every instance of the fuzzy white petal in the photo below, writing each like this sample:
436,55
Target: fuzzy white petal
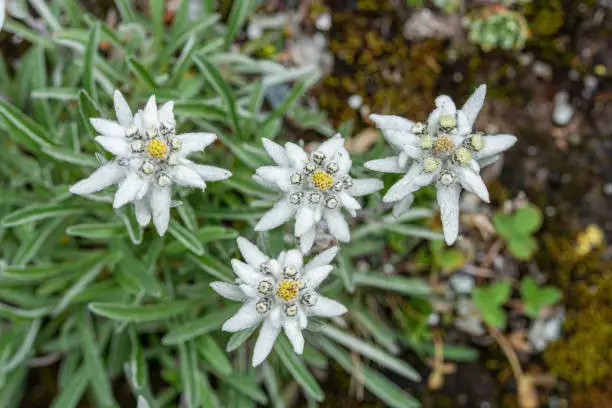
344,162
399,138
472,106
326,307
275,316
108,128
245,318
278,215
229,291
160,208
304,220
211,173
386,165
294,257
129,190
166,113
317,275
473,183
495,145
413,152
185,176
337,226
331,146
280,176
322,259
403,160
307,240
403,205
296,155
349,202
149,115
195,142
392,122
448,200
487,161
294,334
276,152
248,290
302,318
251,253
143,212
122,109
404,186
246,272
363,187
117,146
106,175
267,336
445,105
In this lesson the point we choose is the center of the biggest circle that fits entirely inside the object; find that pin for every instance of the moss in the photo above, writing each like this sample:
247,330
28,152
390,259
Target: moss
582,358
545,17
390,74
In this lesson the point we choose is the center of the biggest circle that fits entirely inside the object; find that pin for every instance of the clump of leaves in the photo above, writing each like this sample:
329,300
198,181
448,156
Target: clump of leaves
489,301
518,229
536,297
109,300
498,27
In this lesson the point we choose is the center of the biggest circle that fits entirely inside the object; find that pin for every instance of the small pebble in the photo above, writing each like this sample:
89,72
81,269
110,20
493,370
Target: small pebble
355,101
324,22
563,110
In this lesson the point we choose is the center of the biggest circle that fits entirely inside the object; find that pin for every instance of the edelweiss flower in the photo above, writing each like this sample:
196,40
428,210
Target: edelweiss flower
445,151
313,187
150,157
282,292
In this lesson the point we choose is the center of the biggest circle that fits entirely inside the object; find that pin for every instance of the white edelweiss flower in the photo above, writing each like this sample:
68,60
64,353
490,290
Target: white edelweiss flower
149,158
281,292
313,187
444,151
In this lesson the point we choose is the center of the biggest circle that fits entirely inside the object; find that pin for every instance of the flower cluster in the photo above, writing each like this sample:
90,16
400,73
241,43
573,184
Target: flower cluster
281,292
149,158
313,187
444,151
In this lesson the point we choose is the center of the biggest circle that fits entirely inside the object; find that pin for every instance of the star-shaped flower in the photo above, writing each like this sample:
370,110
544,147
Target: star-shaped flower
149,158
443,151
313,187
281,292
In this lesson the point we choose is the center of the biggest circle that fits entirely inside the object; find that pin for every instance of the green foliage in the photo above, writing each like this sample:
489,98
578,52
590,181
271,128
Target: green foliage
489,301
518,229
86,283
535,298
498,27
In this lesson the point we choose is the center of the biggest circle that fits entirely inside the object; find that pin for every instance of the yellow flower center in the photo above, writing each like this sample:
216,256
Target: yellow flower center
287,289
157,148
444,144
322,180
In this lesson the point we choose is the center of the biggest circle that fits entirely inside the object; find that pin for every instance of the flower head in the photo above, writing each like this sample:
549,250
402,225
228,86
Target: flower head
149,158
313,187
281,292
444,151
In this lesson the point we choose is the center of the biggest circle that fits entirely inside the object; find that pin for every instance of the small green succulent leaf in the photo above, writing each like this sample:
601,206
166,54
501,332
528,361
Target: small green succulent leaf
489,300
535,298
504,225
522,246
527,220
